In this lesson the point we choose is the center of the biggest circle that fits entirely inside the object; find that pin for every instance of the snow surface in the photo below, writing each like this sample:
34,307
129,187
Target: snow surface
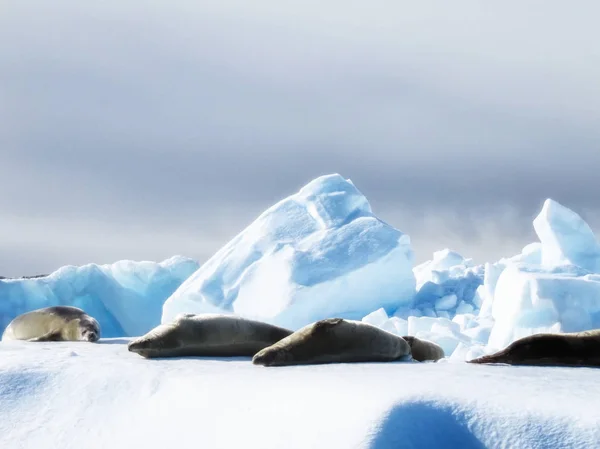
318,253
74,395
125,297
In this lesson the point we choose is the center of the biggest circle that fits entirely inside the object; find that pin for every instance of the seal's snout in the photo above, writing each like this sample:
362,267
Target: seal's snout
135,346
140,347
92,337
268,357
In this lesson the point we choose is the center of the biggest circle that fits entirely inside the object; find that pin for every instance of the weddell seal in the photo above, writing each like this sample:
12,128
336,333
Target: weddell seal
334,340
58,323
424,350
207,335
569,349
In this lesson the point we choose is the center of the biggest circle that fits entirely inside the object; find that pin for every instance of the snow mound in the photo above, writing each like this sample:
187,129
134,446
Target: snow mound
125,297
316,254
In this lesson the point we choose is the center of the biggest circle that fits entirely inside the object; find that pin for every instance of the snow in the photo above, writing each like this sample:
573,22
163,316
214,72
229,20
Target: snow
318,253
126,297
99,395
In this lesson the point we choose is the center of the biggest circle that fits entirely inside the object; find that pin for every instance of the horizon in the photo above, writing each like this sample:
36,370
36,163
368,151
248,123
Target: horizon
135,131
417,260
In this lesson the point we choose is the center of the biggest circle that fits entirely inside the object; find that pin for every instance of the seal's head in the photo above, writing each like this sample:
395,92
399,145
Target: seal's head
301,346
157,343
272,356
89,329
143,347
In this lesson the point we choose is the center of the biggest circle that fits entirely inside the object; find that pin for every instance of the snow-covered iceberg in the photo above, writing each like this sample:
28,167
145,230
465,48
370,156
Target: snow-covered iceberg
529,301
553,285
447,285
125,297
566,238
318,253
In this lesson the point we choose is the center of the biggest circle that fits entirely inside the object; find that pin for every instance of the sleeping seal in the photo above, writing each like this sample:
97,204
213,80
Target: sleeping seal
58,323
207,335
569,349
334,340
423,350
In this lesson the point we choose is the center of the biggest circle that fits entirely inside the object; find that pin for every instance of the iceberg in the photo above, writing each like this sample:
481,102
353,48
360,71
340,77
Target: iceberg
529,301
566,238
125,297
318,253
446,283
552,286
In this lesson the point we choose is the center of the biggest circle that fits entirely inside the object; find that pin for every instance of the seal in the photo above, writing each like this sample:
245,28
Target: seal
568,349
58,323
207,335
424,350
334,340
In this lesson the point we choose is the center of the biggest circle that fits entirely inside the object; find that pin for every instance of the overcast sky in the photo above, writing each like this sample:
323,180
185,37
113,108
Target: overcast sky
142,129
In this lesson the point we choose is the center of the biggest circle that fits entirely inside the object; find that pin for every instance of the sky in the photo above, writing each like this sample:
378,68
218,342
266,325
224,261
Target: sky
140,130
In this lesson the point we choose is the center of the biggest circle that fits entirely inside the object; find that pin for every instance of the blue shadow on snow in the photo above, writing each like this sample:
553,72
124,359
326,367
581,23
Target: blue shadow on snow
425,425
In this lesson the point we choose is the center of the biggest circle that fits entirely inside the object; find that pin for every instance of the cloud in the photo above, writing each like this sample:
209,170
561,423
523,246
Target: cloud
142,130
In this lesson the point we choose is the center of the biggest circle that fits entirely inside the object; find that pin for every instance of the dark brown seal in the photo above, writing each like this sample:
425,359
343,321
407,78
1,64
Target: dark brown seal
334,340
571,349
207,335
423,350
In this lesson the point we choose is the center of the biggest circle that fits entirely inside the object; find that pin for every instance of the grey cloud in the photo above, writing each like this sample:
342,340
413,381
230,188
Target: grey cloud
187,120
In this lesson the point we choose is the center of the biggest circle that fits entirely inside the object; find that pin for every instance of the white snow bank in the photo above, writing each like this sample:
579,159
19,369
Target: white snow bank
74,395
316,254
125,297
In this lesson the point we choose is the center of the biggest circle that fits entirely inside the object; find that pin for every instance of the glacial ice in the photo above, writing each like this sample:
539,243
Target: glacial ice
446,282
318,253
125,297
529,301
566,238
553,286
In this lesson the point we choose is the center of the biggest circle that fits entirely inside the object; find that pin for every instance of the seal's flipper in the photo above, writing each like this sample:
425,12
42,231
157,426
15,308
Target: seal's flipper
50,336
